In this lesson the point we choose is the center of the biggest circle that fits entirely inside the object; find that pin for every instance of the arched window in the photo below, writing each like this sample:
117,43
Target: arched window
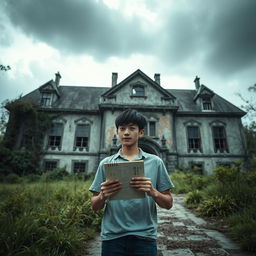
82,136
55,135
219,137
194,141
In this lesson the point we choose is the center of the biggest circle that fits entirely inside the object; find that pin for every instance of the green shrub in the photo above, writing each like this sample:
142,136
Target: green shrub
179,179
15,205
193,198
242,226
186,181
32,177
251,178
226,175
12,178
199,182
217,206
55,175
245,233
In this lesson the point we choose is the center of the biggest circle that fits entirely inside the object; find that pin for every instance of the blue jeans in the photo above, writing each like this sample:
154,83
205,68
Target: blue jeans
129,245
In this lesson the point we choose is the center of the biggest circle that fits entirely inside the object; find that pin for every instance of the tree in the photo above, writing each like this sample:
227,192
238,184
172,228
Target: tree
4,68
250,104
250,128
28,125
3,119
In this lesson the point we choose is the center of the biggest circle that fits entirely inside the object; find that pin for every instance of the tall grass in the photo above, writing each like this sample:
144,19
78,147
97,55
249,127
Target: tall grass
46,218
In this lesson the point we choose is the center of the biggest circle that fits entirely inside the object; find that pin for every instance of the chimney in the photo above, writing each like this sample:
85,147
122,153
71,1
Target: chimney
197,82
57,78
157,78
114,78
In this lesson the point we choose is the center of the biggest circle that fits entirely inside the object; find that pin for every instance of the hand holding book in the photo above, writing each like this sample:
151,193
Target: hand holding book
110,187
142,184
124,172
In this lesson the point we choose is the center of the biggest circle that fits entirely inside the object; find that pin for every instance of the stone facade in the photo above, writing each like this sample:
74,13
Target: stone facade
186,128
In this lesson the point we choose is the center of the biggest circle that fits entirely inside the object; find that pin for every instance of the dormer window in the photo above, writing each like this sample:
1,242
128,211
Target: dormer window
46,99
206,103
138,91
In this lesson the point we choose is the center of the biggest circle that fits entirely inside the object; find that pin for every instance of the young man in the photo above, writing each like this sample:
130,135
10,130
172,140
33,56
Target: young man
129,227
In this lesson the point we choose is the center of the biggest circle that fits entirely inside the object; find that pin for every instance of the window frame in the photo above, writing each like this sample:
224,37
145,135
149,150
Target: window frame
198,138
46,101
82,147
147,128
192,164
54,138
82,122
142,90
47,161
222,141
193,123
85,162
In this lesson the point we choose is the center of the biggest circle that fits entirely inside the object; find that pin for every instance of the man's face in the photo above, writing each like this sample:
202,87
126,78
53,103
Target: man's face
129,134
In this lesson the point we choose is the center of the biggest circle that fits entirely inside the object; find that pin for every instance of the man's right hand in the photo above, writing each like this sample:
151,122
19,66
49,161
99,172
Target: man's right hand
109,188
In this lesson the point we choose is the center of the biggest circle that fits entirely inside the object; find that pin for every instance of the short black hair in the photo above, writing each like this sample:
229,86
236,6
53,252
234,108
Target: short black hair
131,116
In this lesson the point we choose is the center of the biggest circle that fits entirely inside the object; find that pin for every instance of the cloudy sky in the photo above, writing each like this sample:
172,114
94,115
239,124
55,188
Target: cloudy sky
87,40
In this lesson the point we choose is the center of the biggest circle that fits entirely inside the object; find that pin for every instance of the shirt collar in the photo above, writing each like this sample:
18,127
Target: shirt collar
142,155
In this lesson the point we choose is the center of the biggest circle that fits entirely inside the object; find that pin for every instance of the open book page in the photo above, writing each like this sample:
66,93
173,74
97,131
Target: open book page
124,171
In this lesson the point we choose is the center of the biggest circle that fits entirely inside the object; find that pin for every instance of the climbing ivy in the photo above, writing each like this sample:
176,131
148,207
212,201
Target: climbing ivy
21,148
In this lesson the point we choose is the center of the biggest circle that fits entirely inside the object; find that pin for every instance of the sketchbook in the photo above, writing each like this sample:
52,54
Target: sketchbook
124,171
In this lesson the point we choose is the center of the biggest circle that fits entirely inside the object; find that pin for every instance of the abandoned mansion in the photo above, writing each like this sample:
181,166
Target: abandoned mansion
186,128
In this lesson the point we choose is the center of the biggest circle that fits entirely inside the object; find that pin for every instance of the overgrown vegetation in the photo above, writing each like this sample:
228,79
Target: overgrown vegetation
229,195
46,218
21,147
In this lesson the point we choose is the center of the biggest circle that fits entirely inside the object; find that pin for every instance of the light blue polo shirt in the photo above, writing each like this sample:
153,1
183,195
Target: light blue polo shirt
137,216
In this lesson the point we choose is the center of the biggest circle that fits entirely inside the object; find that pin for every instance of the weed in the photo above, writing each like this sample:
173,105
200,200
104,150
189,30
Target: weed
217,206
193,198
46,218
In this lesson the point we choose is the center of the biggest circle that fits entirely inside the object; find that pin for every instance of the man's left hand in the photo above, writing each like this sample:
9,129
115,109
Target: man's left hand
143,184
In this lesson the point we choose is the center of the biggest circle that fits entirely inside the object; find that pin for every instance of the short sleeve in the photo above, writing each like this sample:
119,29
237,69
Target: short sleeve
98,179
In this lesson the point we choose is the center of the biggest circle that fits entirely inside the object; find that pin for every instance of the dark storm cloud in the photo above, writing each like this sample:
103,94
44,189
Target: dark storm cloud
223,32
78,26
233,36
216,35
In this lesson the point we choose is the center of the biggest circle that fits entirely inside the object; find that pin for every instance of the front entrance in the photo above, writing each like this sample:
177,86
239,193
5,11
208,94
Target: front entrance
150,146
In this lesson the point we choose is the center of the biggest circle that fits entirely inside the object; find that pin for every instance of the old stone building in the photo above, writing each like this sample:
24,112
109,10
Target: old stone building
186,128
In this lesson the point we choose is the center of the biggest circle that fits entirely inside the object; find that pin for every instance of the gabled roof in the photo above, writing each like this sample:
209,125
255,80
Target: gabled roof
138,72
49,86
88,98
186,103
203,90
73,98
